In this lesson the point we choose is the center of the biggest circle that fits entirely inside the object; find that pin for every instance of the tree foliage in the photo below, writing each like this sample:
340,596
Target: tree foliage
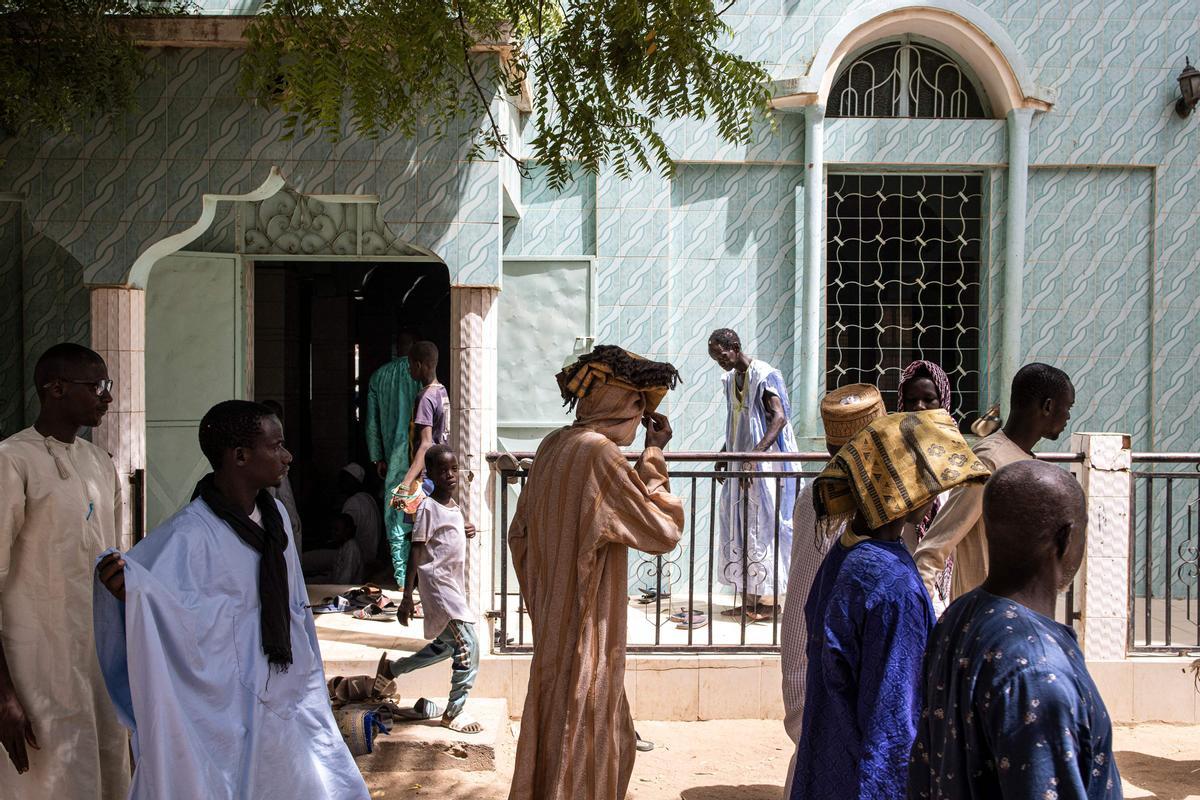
63,62
605,74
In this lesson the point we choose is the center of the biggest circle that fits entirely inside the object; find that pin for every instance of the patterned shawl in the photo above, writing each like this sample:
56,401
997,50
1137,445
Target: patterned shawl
895,465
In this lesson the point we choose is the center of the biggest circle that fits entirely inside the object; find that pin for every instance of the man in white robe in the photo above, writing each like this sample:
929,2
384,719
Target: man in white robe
756,513
207,643
60,507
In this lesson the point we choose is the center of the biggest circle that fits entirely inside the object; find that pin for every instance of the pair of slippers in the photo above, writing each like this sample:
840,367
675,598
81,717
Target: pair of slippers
653,595
684,619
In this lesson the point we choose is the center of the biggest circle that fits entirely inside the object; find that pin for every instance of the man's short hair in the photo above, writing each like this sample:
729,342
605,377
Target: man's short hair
424,351
228,425
62,361
1036,382
726,337
438,452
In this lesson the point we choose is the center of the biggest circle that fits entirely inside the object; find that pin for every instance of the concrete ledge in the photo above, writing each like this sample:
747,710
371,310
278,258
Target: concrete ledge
1148,688
426,745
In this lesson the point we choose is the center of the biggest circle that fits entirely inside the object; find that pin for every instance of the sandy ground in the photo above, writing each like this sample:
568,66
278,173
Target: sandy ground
747,760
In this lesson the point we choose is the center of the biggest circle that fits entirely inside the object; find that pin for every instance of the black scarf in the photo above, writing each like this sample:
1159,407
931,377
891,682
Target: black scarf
269,540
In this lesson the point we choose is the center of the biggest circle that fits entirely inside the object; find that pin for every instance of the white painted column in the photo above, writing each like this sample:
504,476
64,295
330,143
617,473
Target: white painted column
1102,590
119,336
1014,249
811,373
473,334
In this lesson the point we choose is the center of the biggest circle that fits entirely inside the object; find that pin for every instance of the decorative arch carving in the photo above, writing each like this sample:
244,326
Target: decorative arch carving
279,220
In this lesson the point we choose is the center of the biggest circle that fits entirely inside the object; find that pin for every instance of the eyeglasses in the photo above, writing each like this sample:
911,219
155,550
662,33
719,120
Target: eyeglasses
100,386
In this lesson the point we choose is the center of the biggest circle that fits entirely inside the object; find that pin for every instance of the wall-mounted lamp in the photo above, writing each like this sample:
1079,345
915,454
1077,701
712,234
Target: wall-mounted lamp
1189,86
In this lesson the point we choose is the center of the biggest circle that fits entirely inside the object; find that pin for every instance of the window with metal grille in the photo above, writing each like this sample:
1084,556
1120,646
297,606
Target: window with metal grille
905,79
902,280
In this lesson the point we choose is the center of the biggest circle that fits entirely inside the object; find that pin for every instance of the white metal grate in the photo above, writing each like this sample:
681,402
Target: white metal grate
902,79
903,280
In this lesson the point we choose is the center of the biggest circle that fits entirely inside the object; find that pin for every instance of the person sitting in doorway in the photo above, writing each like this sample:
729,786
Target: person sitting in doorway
431,424
363,508
342,562
438,557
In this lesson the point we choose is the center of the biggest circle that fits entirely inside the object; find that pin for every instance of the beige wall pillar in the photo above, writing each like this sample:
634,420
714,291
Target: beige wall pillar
119,336
473,334
1102,594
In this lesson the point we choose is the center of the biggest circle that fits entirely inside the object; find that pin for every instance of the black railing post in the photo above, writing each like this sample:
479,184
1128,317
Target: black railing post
502,487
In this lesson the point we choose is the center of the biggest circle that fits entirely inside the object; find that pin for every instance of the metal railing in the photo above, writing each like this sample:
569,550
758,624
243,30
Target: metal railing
688,570
1164,551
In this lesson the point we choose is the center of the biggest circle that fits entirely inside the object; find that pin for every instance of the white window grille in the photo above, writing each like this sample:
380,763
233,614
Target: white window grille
905,79
903,261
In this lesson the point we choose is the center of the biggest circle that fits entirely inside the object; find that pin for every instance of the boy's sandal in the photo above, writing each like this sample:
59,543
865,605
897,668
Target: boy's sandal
421,710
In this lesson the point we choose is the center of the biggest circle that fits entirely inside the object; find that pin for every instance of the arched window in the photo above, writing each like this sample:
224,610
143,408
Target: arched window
905,78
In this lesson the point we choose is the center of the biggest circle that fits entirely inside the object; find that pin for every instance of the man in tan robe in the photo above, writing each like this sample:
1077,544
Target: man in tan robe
60,507
580,511
1040,402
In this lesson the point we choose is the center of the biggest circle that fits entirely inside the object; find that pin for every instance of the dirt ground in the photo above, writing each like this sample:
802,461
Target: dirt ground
747,760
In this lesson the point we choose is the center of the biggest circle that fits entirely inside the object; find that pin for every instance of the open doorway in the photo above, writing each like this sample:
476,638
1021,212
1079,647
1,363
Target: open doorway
321,329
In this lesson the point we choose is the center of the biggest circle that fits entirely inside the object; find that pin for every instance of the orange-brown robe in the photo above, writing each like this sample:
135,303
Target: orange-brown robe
580,511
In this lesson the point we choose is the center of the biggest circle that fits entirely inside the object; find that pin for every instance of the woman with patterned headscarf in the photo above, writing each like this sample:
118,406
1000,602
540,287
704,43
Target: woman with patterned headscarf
924,385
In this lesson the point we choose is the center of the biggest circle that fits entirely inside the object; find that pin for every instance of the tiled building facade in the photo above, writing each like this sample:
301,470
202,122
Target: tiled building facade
1080,92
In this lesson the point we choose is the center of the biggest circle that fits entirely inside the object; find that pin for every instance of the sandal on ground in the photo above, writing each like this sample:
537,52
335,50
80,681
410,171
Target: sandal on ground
642,745
421,710
736,611
364,595
694,619
463,723
373,613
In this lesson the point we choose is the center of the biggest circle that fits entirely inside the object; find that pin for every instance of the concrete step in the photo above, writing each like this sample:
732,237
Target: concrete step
426,745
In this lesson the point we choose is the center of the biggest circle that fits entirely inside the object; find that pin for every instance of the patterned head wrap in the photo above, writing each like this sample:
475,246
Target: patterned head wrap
924,369
607,365
896,465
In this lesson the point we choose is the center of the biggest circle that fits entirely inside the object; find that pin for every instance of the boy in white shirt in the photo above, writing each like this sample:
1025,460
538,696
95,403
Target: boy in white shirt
438,560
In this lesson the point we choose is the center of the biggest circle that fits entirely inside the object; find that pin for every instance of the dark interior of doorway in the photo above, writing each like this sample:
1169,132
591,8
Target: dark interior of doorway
321,329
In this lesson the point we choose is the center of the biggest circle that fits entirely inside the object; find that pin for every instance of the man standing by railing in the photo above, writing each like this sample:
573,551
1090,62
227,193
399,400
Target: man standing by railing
754,509
1041,402
578,514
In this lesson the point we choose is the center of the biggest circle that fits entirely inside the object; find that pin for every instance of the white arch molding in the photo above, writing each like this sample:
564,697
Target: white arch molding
271,188
972,35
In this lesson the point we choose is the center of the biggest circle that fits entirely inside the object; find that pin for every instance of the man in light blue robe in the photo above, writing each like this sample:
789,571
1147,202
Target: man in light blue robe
391,396
754,558
208,647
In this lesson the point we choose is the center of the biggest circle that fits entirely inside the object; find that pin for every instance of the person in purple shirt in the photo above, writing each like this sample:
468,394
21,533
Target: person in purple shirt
431,417
1010,710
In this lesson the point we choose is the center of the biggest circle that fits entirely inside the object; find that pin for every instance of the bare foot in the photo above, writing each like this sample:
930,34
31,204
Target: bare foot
463,723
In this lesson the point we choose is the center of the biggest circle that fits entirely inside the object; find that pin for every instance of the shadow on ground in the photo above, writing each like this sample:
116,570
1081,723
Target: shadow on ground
761,791
1166,778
